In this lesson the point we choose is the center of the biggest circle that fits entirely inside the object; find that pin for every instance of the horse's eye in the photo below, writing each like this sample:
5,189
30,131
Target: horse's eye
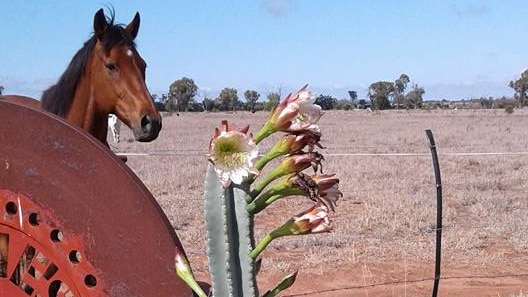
111,66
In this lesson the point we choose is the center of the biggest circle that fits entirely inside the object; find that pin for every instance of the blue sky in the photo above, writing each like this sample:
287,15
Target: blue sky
453,49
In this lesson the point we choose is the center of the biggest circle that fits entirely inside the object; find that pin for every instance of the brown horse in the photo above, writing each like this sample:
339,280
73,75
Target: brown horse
107,75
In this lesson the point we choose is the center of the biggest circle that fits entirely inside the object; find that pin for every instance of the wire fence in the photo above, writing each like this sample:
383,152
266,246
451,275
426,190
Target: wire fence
184,153
412,281
341,152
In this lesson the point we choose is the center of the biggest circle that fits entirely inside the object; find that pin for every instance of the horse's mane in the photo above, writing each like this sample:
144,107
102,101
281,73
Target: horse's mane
58,98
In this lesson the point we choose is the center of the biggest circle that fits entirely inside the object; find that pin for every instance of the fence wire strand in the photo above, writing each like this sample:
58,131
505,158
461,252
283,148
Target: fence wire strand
185,153
341,152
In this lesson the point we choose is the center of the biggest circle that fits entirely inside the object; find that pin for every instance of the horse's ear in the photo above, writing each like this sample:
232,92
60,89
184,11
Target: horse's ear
133,27
100,24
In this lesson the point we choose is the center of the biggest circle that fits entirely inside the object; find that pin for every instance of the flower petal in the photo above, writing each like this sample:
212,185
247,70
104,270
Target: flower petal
232,151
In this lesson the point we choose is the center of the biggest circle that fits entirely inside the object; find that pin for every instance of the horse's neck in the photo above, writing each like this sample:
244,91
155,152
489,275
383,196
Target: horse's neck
99,128
85,114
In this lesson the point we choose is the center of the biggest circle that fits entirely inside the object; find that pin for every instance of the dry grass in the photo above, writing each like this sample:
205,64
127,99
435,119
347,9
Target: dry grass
388,208
521,294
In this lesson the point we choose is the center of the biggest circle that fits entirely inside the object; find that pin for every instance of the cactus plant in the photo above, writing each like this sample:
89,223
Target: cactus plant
230,240
231,200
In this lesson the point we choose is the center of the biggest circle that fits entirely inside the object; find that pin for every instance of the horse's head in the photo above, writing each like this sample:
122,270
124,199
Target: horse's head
117,72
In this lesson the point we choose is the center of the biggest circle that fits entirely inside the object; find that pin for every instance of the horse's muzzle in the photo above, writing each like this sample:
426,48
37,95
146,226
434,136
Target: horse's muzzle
149,128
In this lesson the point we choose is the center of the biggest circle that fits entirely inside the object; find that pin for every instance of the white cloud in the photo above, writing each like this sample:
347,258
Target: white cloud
279,8
472,9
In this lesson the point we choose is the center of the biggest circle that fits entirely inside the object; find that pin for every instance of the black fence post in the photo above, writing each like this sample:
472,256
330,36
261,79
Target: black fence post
438,251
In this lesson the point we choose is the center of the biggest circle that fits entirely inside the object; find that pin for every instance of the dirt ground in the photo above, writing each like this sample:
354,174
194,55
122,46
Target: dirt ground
411,279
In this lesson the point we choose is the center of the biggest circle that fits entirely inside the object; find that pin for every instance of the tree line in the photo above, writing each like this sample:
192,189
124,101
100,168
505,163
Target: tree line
182,97
381,95
391,94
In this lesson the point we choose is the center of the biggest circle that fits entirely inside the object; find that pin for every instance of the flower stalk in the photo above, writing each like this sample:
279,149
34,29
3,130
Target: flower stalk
290,164
266,130
313,220
290,144
184,272
261,245
282,189
285,283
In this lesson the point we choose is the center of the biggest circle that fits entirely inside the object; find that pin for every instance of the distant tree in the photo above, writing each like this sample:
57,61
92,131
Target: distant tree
326,102
228,99
260,106
279,91
273,100
160,106
353,97
343,104
520,86
362,103
170,106
504,102
414,99
1,90
379,94
195,106
487,102
251,99
208,104
401,83
399,90
181,94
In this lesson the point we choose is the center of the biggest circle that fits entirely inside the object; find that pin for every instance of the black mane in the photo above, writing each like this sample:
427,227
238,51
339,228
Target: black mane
58,98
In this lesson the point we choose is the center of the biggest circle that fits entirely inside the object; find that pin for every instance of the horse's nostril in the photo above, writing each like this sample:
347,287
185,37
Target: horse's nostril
149,129
146,124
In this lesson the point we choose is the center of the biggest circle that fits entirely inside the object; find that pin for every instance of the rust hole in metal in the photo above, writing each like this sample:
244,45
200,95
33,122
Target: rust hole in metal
56,235
50,272
11,208
34,219
54,288
75,256
27,288
90,281
24,267
4,251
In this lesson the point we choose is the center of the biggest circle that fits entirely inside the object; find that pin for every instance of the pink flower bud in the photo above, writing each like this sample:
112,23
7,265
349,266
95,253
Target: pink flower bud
296,112
313,220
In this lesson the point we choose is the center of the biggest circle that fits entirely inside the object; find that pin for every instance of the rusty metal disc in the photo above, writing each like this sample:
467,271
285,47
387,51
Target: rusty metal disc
81,219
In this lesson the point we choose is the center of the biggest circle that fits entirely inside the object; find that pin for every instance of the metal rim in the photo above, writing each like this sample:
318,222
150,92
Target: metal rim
91,195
